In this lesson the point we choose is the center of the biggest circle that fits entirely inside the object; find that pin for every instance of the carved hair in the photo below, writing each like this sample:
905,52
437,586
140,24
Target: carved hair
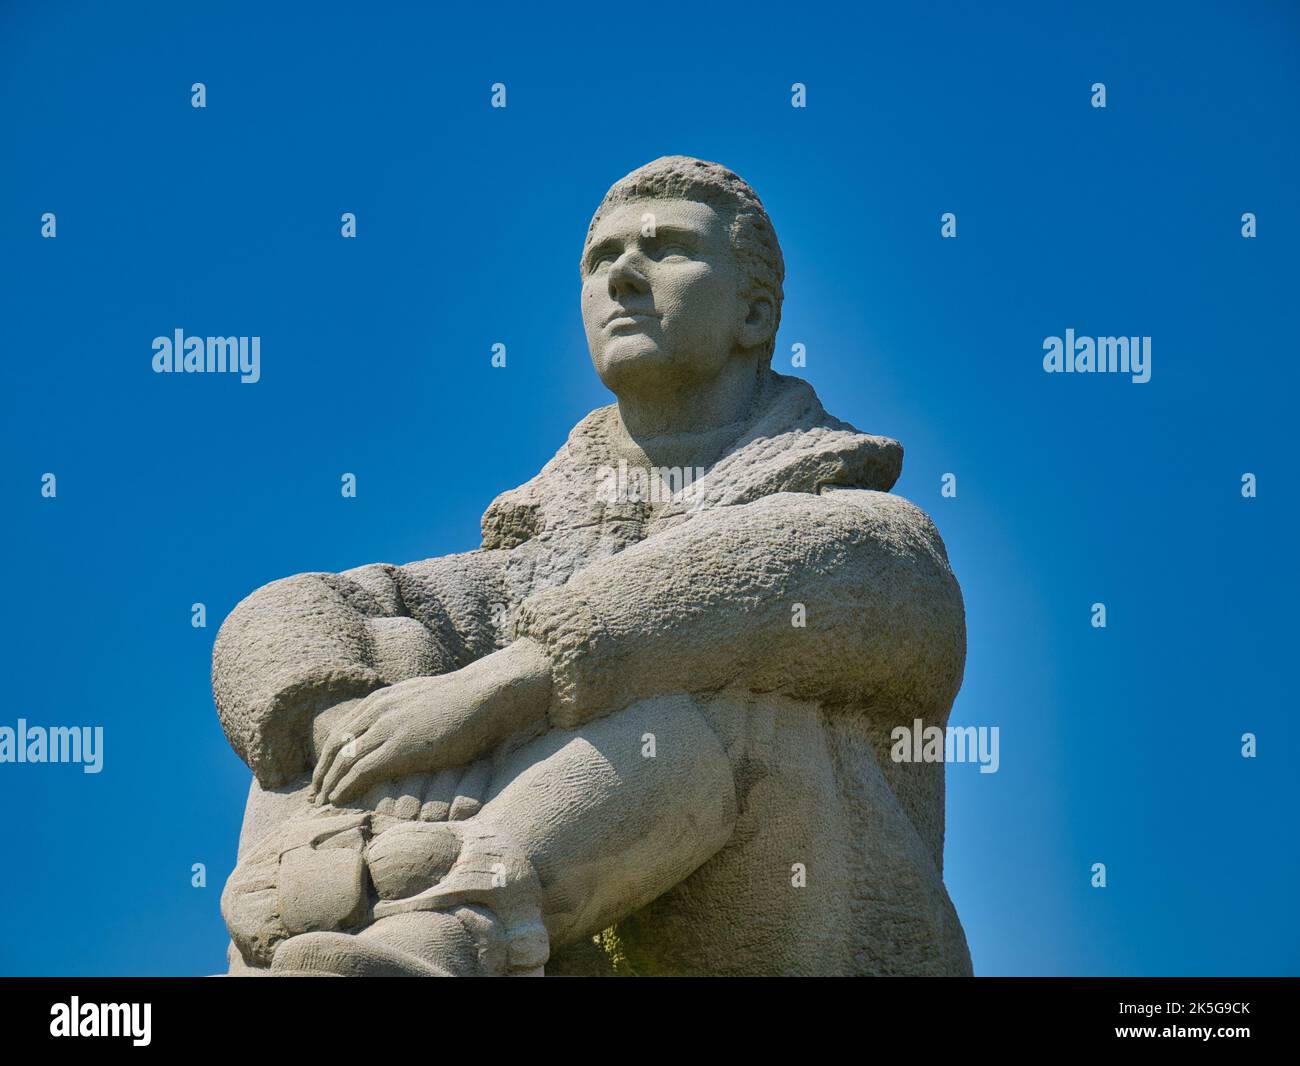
753,239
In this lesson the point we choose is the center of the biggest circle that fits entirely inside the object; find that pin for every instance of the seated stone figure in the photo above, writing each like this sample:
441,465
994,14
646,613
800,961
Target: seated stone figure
645,727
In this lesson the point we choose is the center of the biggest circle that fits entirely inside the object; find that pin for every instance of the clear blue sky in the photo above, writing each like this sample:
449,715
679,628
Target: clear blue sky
1119,745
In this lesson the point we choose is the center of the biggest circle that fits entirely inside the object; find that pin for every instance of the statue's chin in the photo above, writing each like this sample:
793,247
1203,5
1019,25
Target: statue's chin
632,362
637,366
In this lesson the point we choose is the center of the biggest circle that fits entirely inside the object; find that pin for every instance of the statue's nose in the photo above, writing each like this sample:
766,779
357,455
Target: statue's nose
624,277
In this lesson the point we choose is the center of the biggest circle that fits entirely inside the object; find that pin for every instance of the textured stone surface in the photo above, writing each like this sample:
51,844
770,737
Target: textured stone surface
599,743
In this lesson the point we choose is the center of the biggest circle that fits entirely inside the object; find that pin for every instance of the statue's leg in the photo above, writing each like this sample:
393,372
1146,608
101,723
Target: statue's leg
579,829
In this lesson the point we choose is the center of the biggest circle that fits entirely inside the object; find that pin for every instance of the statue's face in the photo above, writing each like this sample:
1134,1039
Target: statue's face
663,309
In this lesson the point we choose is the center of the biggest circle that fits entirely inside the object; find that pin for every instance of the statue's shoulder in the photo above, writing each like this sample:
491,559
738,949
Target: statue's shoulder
561,492
793,445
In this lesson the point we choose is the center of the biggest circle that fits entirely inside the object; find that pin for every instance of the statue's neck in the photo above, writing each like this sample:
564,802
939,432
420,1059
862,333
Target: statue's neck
691,426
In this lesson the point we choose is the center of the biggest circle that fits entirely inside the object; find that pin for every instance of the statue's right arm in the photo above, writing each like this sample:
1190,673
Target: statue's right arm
843,598
305,643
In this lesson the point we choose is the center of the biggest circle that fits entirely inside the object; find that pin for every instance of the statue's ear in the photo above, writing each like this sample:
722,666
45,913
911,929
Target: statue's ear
759,318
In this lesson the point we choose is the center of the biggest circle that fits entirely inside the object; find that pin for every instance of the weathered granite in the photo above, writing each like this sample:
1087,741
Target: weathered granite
600,743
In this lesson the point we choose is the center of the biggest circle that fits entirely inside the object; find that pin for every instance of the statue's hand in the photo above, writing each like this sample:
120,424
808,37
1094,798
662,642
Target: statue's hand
430,723
393,731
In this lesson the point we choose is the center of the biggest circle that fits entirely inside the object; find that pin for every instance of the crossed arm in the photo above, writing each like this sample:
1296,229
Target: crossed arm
712,603
303,644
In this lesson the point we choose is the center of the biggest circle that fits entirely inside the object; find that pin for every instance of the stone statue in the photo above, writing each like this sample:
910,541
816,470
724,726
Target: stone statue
645,727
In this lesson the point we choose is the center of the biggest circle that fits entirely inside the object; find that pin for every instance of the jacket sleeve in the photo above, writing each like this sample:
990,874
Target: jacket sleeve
718,601
302,644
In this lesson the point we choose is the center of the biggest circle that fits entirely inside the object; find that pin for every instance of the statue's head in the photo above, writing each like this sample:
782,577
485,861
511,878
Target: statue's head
681,272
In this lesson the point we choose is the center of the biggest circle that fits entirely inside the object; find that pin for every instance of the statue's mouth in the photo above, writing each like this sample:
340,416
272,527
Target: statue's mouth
623,316
625,321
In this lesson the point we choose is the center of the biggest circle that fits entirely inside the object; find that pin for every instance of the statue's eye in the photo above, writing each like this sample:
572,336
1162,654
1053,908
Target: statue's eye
602,262
673,251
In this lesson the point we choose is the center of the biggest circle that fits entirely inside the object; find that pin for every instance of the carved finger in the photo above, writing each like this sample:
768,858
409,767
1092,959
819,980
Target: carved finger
364,772
471,792
343,736
349,755
439,794
382,797
409,794
339,742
